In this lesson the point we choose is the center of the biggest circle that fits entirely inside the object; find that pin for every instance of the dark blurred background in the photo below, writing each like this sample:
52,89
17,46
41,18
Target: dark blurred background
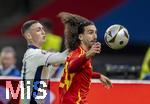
120,64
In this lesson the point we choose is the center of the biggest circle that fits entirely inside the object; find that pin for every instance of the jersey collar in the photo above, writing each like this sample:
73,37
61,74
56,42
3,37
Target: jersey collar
32,46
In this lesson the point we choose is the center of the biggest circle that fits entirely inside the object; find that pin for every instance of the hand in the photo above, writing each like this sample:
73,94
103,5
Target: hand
96,48
105,81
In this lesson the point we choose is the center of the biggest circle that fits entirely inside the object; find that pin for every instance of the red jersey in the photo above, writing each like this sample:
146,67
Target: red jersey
75,82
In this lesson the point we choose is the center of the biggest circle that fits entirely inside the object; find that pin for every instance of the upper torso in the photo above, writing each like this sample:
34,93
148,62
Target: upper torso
34,69
77,84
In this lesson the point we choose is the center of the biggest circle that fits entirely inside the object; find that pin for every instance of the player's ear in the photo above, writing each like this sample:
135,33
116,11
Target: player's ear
28,36
81,37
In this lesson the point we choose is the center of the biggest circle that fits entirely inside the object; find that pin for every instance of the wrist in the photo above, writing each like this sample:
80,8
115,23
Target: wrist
87,55
96,75
100,75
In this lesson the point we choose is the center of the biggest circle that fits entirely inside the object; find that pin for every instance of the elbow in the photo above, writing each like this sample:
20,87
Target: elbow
70,70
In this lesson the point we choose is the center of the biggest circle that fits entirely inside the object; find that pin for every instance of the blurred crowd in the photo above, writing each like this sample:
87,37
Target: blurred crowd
8,62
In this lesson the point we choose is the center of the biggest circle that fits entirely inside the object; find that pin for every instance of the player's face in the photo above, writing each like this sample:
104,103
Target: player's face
37,34
89,37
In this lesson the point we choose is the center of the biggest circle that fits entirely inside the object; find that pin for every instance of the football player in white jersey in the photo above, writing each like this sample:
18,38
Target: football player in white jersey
36,62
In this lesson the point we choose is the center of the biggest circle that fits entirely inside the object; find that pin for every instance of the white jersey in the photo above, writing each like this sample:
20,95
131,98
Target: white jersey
35,68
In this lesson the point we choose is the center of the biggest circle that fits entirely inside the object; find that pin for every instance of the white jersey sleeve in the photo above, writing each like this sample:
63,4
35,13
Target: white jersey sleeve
44,58
57,58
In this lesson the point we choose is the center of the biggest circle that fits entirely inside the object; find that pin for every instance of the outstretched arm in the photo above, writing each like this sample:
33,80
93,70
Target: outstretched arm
76,63
105,81
57,58
96,75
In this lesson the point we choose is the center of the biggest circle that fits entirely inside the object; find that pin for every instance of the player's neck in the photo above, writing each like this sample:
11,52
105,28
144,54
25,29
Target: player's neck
84,47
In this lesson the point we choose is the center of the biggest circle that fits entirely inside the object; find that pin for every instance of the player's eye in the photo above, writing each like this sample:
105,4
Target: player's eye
90,32
38,30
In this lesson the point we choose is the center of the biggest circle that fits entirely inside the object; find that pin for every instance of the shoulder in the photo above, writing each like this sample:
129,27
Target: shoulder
32,52
76,53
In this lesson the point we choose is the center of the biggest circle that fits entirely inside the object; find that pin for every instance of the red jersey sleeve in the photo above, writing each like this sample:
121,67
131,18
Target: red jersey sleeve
96,75
76,63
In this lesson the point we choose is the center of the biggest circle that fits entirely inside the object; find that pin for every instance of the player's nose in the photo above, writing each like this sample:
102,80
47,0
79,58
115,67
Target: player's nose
95,36
43,32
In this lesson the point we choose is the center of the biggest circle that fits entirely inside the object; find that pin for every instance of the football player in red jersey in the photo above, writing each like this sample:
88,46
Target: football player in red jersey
81,40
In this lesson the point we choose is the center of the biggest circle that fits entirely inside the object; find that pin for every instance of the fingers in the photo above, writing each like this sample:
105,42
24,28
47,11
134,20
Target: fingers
97,50
107,83
97,47
98,43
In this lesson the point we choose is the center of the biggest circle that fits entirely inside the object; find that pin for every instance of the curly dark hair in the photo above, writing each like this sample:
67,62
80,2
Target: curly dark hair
73,26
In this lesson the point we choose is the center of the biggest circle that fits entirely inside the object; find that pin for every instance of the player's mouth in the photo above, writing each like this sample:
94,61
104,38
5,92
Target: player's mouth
93,41
44,37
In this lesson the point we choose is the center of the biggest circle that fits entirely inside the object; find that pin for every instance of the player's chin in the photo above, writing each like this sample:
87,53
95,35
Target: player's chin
90,45
44,38
43,41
